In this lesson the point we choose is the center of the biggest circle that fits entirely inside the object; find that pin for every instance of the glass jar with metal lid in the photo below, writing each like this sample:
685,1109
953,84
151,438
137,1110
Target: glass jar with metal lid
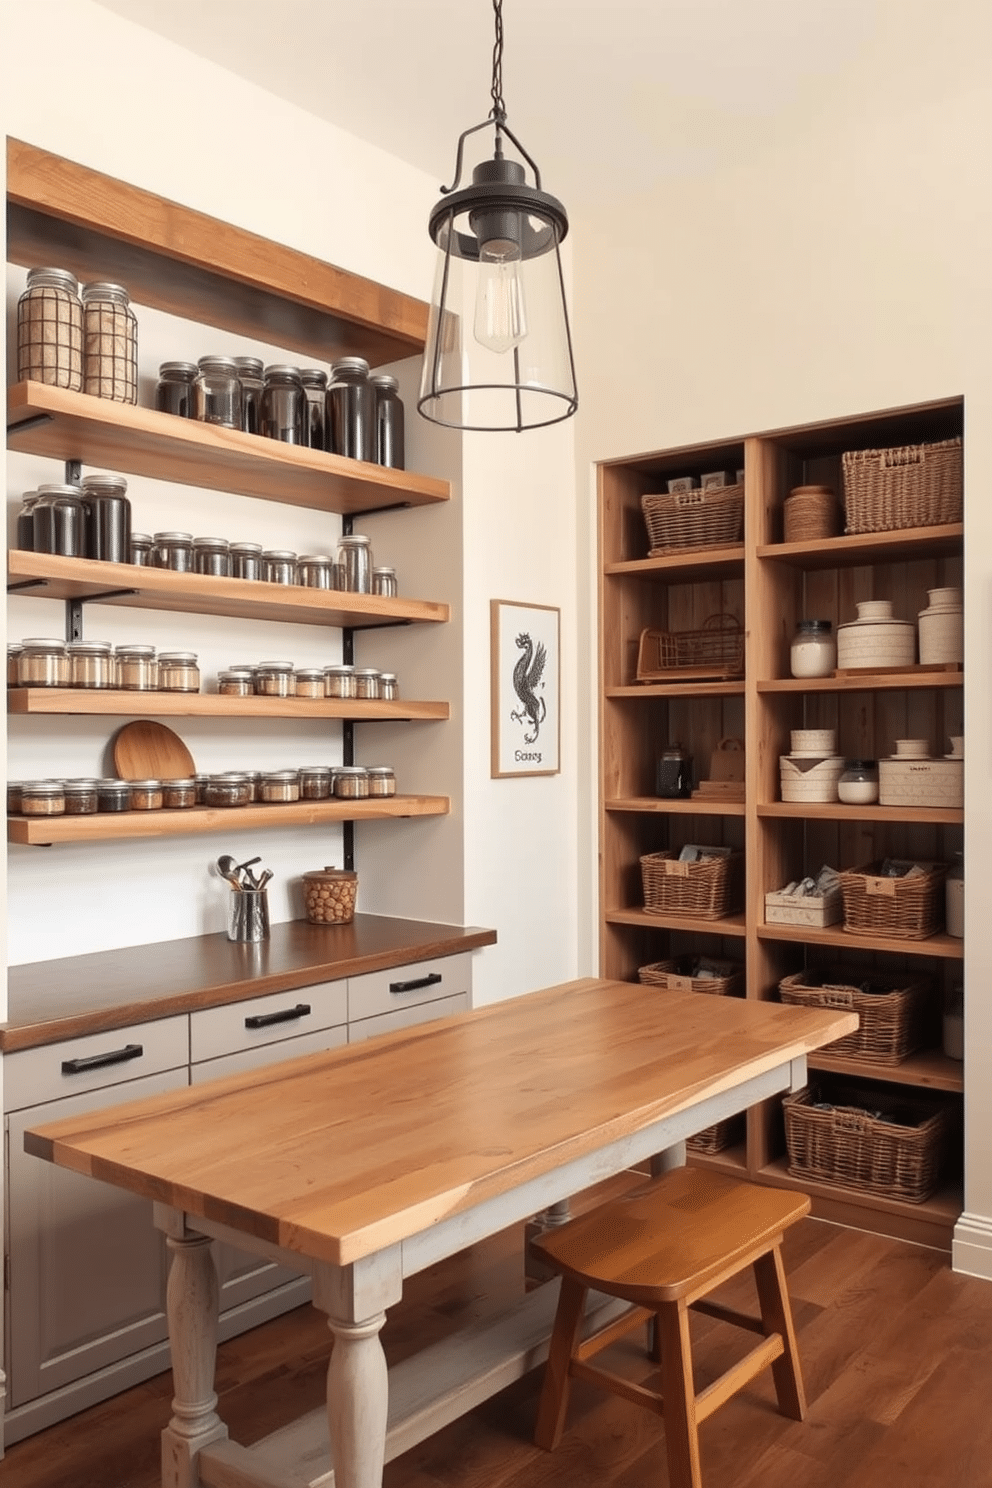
315,571
178,795
142,549
174,389
355,556
147,795
114,795
280,785
351,410
14,649
858,785
58,518
50,330
25,522
351,782
110,343
229,789
91,664
174,550
283,405
315,395
200,782
388,687
14,797
308,682
217,392
275,679
43,663
279,566
42,798
108,518
384,582
236,683
246,560
81,797
254,779
212,556
814,649
388,421
315,782
252,383
178,671
339,682
137,668
366,682
382,780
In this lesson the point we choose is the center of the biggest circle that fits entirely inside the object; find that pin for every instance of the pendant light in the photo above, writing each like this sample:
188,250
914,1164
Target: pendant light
499,349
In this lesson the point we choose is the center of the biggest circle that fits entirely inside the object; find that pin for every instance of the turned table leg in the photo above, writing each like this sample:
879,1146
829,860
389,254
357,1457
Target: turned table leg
192,1306
357,1401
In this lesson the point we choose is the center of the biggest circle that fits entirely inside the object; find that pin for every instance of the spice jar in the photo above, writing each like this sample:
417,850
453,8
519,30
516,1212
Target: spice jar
351,412
25,522
351,782
108,518
388,421
114,795
174,550
814,650
315,396
212,556
59,521
384,582
110,343
315,782
50,330
246,560
315,571
178,671
14,649
14,797
81,797
382,780
954,897
279,566
174,389
146,795
339,682
388,687
42,798
91,664
137,669
366,682
250,377
283,402
858,785
275,679
43,663
230,789
235,684
355,555
254,779
201,782
280,785
329,896
178,795
217,392
308,682
142,549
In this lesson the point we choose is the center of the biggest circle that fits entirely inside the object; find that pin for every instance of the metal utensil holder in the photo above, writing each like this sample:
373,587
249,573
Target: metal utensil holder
248,915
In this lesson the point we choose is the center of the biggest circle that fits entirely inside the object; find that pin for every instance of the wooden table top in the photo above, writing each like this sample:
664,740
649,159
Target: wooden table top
338,1155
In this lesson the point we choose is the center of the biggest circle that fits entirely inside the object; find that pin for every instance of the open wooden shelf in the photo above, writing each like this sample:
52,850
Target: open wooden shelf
61,425
729,925
930,1069
682,568
867,681
732,1160
947,816
942,1209
868,547
946,947
724,688
42,701
104,827
50,576
665,807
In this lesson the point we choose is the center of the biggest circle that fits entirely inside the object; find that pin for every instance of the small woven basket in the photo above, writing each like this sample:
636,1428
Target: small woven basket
716,649
713,518
676,976
893,1022
900,1157
707,890
895,908
719,1136
810,513
914,485
329,895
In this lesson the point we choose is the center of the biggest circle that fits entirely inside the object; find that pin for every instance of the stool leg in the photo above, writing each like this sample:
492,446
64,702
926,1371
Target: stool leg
555,1391
679,1395
776,1317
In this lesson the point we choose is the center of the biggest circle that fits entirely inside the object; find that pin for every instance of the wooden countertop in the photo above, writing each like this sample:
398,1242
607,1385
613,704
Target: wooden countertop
53,1000
339,1155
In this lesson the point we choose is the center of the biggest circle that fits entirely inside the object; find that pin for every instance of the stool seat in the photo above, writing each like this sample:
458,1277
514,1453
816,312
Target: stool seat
662,1248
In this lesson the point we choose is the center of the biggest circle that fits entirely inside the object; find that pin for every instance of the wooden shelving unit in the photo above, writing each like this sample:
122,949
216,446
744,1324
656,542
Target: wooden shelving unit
768,585
38,702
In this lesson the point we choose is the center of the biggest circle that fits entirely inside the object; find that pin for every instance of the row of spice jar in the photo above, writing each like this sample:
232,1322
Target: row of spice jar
85,339
282,679
350,569
351,413
87,797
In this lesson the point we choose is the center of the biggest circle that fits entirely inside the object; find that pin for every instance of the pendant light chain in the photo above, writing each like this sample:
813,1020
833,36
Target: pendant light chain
498,110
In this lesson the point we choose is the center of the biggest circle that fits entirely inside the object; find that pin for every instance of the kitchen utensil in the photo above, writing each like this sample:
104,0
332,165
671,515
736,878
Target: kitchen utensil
146,750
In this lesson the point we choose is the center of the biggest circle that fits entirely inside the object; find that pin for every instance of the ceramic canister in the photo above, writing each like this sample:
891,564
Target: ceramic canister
942,628
876,639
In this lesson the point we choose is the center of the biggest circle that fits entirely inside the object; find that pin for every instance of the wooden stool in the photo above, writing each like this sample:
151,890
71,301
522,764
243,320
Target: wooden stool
663,1248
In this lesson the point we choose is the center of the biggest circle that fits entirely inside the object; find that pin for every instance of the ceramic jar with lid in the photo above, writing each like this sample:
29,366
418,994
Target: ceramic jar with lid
814,651
876,639
941,627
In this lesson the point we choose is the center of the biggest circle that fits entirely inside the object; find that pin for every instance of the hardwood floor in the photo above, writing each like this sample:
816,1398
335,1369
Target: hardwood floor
896,1352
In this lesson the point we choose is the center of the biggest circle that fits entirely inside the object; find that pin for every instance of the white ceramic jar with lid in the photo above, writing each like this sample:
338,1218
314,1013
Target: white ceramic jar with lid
941,627
814,650
876,639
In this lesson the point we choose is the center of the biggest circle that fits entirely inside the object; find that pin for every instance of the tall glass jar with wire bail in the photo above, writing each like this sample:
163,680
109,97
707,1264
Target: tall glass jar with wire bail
110,343
283,405
351,418
50,330
315,394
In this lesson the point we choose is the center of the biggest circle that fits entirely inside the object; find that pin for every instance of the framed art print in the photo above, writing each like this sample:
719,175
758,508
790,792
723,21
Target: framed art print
525,689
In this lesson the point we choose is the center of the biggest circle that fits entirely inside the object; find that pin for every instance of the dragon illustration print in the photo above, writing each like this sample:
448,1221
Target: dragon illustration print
525,675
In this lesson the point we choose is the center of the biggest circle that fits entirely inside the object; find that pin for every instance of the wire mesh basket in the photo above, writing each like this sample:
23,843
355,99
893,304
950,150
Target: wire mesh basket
716,649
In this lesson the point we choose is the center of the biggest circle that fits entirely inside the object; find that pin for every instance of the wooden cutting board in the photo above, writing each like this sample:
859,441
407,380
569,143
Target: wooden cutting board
146,750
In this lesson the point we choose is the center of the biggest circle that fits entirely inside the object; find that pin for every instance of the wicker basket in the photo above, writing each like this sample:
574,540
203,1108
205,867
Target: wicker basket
707,890
715,650
676,976
713,518
895,908
893,1021
915,485
721,1135
810,513
899,1158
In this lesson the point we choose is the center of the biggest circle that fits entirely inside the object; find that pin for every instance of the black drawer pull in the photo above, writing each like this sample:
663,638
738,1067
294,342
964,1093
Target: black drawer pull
427,981
100,1061
288,1015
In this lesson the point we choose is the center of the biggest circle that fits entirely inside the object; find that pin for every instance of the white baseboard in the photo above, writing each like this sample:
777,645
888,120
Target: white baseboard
971,1250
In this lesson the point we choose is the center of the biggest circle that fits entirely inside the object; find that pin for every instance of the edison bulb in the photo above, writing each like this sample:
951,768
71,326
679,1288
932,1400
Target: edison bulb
500,314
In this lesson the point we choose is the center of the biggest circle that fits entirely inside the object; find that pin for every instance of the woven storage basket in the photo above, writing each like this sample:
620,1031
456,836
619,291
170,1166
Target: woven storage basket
707,890
715,650
719,1136
810,513
713,518
896,908
899,1158
893,1022
668,974
914,485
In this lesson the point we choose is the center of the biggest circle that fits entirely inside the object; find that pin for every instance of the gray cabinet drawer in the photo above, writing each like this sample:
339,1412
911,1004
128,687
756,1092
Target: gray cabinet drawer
408,986
257,1021
407,1017
287,1048
94,1062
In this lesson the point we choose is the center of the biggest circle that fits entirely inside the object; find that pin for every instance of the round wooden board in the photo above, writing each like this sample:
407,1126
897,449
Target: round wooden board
146,750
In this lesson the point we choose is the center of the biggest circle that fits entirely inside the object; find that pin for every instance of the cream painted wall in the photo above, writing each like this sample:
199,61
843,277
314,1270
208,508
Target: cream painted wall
844,268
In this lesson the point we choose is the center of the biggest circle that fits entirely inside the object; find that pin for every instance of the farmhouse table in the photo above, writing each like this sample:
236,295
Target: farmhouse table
364,1165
